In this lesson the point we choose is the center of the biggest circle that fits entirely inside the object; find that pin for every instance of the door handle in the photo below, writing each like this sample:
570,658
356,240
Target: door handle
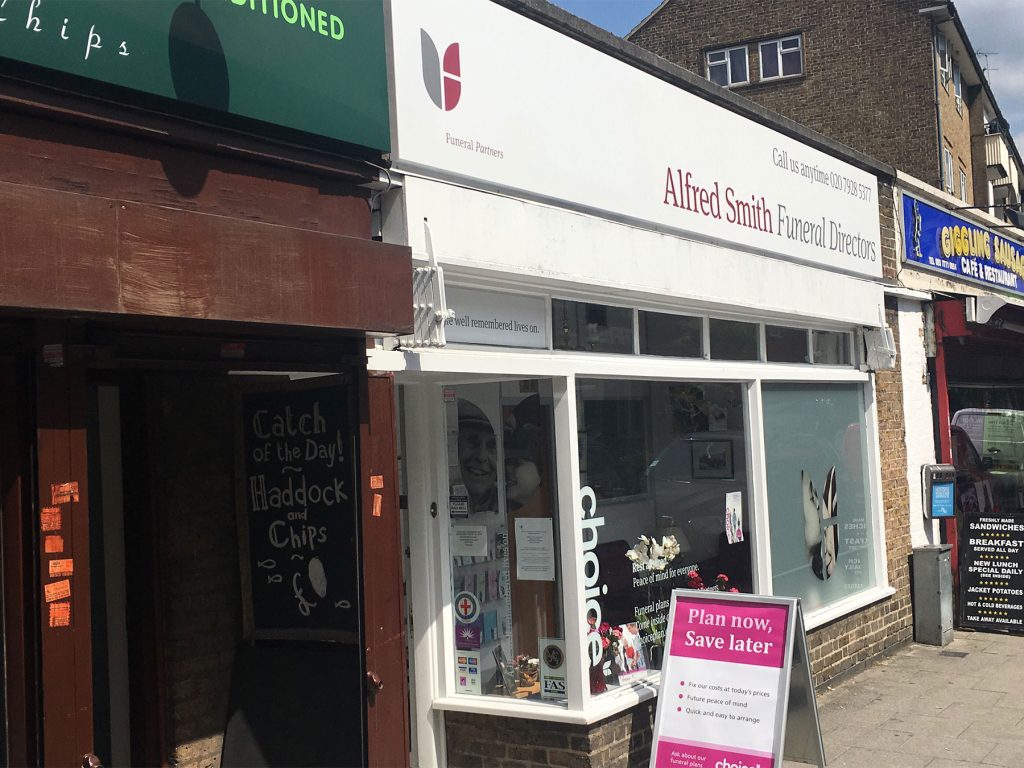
374,685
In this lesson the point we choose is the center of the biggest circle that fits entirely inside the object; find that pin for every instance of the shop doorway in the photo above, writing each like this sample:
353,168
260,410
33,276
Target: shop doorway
227,570
18,674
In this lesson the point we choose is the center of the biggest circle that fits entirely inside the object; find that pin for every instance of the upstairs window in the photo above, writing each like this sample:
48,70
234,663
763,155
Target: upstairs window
781,58
942,47
958,91
947,169
963,185
728,66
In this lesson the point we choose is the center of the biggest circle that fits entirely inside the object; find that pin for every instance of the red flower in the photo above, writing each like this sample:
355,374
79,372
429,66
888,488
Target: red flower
605,626
605,642
734,590
630,652
722,577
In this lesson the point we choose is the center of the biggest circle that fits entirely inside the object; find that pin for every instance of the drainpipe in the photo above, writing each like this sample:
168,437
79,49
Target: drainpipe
935,99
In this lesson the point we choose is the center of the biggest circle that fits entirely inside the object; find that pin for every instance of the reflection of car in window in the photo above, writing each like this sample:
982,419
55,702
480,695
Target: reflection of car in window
981,489
996,434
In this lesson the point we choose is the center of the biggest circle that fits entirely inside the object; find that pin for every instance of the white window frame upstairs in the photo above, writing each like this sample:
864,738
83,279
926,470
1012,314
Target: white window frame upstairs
947,171
726,53
958,88
780,48
942,49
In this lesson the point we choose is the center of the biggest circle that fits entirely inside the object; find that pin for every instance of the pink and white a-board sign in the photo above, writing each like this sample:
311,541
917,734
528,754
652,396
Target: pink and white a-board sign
726,679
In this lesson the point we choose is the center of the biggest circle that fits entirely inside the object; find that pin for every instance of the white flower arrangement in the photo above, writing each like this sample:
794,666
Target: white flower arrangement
651,555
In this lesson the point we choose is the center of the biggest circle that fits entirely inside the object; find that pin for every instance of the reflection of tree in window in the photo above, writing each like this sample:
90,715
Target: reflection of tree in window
614,442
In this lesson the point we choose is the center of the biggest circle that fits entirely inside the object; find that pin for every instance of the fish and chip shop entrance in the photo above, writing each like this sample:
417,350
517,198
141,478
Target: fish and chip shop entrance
225,531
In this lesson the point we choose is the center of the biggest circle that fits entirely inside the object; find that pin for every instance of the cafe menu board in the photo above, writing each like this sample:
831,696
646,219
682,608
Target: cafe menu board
992,573
300,509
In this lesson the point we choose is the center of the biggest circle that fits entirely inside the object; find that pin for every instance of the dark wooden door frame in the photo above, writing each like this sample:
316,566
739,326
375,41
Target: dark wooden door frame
387,712
19,625
62,457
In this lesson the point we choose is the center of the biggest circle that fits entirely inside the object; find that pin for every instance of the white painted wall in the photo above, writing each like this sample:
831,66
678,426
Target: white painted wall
917,416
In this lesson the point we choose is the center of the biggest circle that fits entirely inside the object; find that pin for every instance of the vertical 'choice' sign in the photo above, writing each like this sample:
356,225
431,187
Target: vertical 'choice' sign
725,681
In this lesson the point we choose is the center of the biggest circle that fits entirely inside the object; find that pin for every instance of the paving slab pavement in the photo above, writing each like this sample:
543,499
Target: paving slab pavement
961,706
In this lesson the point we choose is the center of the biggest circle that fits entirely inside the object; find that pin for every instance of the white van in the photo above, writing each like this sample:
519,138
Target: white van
997,435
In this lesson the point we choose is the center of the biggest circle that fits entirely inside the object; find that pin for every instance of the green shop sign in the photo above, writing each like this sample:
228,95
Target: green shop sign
315,66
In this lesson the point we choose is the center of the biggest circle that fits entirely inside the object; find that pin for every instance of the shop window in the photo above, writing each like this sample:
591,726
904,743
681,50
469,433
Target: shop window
503,536
658,459
785,345
830,348
822,539
728,66
781,58
585,327
734,340
670,335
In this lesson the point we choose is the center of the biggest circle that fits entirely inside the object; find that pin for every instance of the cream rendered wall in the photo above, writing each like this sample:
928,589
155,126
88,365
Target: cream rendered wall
917,415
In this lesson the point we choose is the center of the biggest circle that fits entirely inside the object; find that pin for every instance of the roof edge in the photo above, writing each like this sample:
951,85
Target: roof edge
601,40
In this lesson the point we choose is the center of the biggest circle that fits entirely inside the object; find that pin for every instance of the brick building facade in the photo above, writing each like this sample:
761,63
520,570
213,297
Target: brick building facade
907,110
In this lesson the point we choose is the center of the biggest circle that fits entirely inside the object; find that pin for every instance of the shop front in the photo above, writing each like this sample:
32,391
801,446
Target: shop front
200,520
971,267
640,367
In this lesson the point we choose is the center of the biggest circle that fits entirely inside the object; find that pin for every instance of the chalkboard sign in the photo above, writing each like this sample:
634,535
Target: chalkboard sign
300,512
992,572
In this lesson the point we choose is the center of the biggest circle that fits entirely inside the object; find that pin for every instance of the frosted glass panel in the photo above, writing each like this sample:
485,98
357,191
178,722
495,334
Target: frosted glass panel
818,498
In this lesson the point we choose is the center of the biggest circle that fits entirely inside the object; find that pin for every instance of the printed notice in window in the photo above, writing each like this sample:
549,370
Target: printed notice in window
469,541
535,549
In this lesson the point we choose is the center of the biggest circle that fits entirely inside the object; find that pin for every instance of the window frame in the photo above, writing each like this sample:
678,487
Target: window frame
963,185
958,89
942,50
779,50
727,61
425,434
947,170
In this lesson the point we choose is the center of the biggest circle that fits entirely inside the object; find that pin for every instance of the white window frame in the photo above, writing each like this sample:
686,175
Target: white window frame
958,88
727,53
942,49
947,171
777,42
963,185
433,689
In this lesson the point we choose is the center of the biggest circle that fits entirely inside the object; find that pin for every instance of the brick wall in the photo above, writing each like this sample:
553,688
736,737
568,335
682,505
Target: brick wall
482,741
201,598
855,639
868,78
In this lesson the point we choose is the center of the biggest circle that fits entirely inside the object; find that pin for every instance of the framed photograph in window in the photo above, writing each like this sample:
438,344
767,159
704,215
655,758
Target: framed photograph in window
712,459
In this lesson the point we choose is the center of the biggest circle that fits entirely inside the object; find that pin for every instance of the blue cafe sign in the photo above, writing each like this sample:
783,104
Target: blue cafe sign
942,242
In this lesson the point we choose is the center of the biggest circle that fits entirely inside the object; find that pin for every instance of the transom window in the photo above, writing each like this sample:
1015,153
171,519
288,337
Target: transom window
728,66
781,58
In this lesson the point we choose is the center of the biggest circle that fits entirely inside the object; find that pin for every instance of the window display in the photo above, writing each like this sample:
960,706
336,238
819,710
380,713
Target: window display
663,477
503,534
822,541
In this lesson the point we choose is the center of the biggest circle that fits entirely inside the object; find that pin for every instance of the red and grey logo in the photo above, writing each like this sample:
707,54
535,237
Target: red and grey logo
442,79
